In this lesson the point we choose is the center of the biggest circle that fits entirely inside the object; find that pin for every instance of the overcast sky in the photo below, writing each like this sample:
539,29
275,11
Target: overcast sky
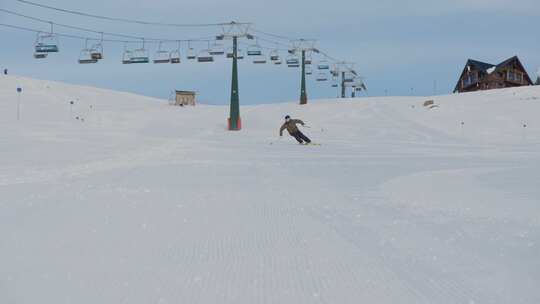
400,47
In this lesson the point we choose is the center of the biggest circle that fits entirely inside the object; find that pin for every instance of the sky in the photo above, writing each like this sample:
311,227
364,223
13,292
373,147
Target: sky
416,47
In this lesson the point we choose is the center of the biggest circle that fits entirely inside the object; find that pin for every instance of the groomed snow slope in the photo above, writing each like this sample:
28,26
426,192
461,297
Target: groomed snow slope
146,203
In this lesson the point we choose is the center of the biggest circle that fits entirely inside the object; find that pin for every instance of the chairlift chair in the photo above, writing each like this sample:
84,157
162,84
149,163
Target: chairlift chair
239,53
217,49
254,50
293,62
230,53
85,57
205,56
40,55
259,59
96,51
274,55
162,56
191,54
278,62
322,77
175,55
46,43
140,55
126,57
323,65
308,60
309,71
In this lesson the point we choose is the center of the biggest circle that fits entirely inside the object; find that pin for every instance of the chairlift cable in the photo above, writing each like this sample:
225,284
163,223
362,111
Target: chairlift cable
126,20
154,40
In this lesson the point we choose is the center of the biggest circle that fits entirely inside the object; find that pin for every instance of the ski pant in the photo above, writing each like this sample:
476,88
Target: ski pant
300,137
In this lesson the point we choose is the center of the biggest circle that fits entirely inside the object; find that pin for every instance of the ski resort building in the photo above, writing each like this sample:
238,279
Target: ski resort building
479,75
185,98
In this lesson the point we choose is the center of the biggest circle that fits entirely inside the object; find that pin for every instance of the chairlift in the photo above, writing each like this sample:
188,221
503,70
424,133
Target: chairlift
85,55
230,53
96,51
175,55
323,65
126,56
259,59
205,55
274,55
162,56
322,77
293,62
47,42
239,53
308,60
309,71
40,55
191,54
217,49
254,50
140,55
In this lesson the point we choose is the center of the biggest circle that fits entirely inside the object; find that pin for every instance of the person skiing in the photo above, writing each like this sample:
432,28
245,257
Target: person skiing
290,125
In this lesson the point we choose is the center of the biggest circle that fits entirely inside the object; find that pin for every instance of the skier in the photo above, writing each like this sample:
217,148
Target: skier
290,125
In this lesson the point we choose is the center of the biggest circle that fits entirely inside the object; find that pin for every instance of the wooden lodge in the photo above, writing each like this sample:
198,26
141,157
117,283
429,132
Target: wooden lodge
479,75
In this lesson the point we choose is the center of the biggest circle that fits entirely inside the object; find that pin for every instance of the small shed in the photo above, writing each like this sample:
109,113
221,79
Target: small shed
185,98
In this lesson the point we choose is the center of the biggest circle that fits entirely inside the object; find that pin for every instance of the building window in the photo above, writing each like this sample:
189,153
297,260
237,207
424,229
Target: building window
470,79
511,76
519,77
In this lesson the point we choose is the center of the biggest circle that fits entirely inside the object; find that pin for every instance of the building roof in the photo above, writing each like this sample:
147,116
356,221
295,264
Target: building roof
479,64
185,92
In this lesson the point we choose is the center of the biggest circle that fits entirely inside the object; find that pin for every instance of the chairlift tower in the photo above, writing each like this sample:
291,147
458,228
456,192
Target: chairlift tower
303,46
234,30
342,68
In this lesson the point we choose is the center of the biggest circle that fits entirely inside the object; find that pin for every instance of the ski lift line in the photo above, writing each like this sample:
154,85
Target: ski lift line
126,20
67,26
71,36
101,32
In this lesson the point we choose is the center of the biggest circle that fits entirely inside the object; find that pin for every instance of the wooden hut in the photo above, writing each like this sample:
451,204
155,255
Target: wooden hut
479,75
185,98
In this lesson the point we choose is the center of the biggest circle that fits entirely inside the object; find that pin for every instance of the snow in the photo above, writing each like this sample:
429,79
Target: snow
143,202
491,70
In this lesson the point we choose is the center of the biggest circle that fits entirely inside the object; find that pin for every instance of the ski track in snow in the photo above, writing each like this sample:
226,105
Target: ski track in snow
146,203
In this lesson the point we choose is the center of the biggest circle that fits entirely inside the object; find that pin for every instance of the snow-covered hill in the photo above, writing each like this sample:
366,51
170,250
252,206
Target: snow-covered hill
140,202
